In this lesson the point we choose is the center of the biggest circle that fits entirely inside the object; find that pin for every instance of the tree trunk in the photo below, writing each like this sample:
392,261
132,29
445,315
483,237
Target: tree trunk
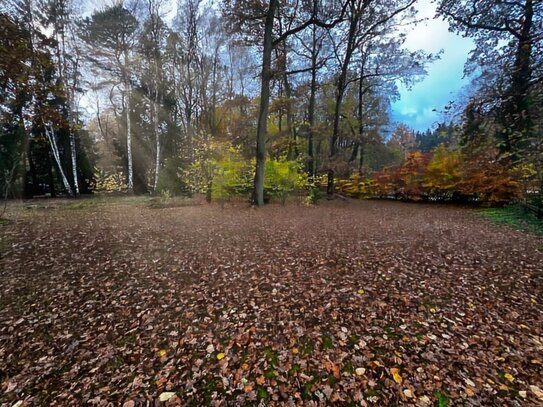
129,143
311,113
54,148
128,94
340,90
157,144
519,125
73,154
258,192
361,119
291,152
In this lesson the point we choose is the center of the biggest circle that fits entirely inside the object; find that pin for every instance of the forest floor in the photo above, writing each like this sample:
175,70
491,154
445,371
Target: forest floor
346,303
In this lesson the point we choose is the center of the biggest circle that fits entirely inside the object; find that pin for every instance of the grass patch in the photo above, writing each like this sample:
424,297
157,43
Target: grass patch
441,398
516,217
327,342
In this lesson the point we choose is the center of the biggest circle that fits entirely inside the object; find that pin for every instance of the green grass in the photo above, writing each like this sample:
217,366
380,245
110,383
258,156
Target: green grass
516,217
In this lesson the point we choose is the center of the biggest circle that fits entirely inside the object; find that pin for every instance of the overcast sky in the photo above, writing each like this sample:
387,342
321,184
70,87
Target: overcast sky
444,80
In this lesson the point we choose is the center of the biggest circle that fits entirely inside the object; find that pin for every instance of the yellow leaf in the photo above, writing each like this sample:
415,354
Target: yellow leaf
509,377
220,356
361,291
161,353
396,375
469,391
295,350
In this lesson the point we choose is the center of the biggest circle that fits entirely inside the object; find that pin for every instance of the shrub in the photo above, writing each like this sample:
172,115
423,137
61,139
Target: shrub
232,176
313,195
282,178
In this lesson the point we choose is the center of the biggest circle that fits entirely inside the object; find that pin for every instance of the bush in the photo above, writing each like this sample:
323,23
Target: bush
232,176
282,178
446,175
314,194
109,183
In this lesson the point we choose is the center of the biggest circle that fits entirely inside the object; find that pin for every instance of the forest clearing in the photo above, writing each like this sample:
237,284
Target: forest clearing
349,303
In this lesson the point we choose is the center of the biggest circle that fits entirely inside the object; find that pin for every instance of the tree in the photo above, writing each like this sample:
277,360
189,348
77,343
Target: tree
110,34
243,17
508,55
366,20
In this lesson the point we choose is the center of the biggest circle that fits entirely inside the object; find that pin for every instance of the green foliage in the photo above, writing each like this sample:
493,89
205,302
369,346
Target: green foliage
442,399
515,216
232,176
283,177
170,179
314,194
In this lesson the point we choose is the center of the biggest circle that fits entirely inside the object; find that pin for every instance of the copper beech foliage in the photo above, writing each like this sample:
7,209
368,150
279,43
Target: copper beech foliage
443,175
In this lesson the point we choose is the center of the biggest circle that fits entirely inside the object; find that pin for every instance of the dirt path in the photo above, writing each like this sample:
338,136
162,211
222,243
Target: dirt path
368,303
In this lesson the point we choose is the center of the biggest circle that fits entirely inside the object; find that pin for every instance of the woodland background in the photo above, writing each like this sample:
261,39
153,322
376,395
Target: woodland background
175,98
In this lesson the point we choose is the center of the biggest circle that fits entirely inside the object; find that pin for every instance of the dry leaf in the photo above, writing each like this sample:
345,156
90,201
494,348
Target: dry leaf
396,375
360,371
537,391
166,395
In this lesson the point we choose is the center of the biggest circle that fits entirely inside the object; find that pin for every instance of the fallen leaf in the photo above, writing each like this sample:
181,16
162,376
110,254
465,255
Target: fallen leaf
509,377
361,291
360,371
220,356
129,403
408,393
166,395
162,353
396,375
537,391
425,400
469,391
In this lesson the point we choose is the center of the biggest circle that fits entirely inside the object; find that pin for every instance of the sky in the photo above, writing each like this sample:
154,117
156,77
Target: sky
420,108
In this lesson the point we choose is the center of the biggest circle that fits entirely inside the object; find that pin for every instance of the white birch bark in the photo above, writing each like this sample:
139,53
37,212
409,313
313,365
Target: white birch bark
129,141
74,161
128,93
157,136
54,148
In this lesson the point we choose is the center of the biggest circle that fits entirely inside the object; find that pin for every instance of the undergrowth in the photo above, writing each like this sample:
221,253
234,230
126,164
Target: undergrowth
515,216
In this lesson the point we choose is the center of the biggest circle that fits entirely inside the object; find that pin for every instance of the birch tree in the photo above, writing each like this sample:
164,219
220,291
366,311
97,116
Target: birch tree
110,35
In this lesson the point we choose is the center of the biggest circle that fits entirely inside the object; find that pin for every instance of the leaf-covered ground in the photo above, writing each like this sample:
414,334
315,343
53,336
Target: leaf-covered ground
346,303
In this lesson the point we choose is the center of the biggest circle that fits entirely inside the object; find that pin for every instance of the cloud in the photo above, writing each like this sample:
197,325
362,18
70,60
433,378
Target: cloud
445,76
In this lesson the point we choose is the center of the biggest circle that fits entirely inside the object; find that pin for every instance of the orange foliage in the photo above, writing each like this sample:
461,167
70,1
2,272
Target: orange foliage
447,175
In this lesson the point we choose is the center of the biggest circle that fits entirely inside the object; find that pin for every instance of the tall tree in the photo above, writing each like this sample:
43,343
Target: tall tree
110,34
365,21
509,56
